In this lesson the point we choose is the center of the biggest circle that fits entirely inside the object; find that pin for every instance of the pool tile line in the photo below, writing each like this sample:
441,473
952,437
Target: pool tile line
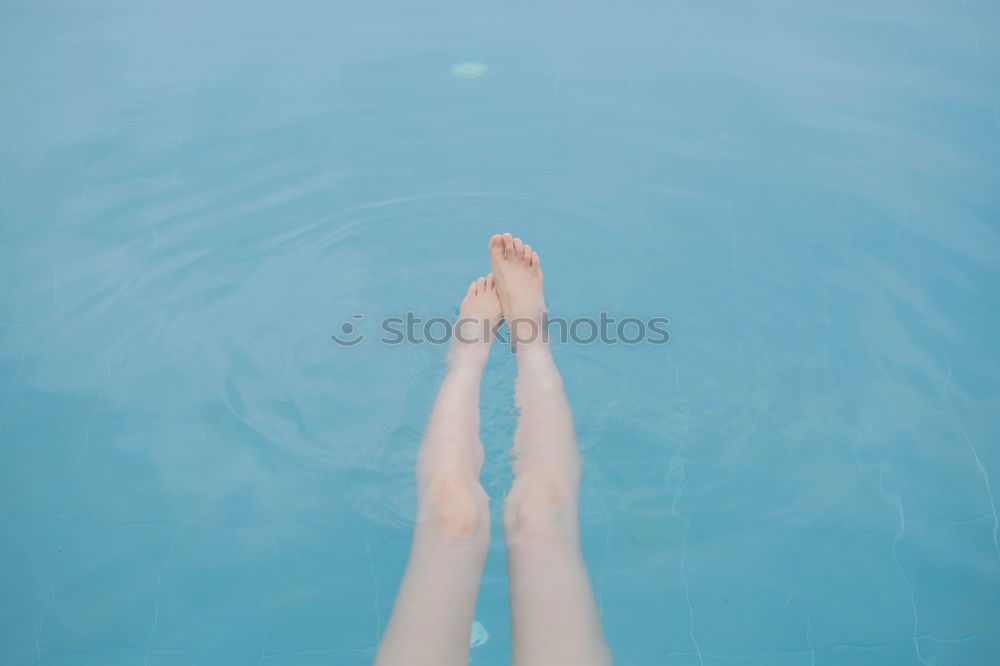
968,440
156,593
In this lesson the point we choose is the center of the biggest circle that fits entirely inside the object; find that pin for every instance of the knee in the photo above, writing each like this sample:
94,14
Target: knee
539,506
458,507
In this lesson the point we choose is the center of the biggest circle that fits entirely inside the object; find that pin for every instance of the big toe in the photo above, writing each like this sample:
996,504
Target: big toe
496,246
508,245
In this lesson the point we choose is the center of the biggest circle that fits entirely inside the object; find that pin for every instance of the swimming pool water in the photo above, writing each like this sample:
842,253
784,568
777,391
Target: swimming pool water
194,196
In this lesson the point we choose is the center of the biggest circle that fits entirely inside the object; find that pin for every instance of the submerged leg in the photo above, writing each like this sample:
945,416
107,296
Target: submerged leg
555,621
433,612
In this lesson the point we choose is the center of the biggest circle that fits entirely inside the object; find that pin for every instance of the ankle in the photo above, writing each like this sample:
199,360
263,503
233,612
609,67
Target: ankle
528,331
467,359
531,355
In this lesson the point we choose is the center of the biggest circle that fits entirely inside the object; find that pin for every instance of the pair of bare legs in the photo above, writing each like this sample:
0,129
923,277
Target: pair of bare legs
554,617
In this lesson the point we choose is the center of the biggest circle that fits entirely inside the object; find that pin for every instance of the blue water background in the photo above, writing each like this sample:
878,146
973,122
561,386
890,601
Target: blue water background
194,195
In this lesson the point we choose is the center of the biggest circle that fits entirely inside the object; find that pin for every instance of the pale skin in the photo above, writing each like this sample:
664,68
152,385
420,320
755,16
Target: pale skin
554,619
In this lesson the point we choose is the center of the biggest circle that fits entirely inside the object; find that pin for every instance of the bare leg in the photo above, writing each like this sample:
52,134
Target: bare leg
555,621
433,612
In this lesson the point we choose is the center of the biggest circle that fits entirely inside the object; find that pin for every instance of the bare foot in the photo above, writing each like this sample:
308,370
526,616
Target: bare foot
478,318
518,274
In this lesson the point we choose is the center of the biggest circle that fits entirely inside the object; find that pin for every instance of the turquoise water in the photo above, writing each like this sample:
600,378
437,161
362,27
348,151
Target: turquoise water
194,196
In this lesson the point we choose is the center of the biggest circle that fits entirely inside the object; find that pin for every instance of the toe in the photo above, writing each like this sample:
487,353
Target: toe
490,282
472,289
535,261
496,245
518,248
508,244
481,286
527,252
